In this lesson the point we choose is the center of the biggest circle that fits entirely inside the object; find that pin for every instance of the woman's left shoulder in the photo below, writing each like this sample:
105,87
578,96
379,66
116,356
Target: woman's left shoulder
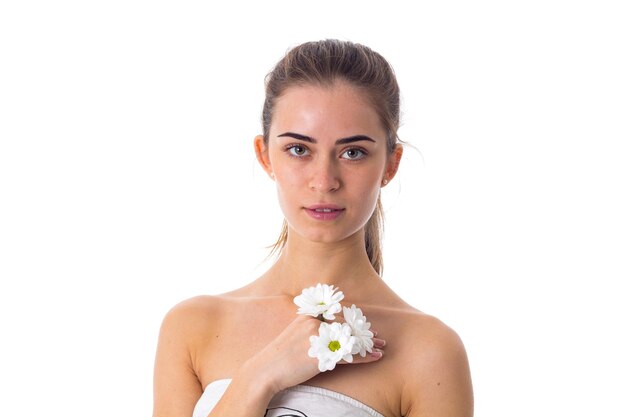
422,336
418,331
435,367
428,334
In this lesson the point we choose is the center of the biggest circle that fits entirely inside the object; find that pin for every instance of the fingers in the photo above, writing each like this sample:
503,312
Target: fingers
376,354
319,349
379,343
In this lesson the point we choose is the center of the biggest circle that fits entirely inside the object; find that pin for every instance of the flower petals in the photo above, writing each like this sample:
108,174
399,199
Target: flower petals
335,341
360,330
320,299
333,344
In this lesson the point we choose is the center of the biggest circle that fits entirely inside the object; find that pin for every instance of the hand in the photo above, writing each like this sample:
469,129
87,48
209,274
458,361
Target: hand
285,362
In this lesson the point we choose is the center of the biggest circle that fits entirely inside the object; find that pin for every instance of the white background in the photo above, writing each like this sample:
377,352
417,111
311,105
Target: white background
128,183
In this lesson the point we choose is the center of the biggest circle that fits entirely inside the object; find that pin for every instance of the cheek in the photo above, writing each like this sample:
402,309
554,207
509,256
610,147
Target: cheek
289,177
370,188
287,190
369,180
370,196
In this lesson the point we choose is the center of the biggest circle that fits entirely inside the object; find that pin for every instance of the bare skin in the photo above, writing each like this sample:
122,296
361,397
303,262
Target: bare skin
253,335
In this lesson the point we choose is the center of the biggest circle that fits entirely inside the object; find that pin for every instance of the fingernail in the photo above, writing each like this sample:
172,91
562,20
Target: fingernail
377,353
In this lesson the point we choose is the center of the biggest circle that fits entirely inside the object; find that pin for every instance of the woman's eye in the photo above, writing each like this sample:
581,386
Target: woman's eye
354,154
297,150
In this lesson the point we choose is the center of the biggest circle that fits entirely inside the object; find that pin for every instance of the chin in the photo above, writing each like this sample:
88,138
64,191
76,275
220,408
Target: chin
331,235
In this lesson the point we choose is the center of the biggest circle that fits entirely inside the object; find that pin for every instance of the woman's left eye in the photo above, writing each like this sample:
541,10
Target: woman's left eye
354,154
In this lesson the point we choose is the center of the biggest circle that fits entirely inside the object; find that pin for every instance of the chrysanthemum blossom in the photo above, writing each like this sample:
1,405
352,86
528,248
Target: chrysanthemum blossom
320,299
333,344
360,329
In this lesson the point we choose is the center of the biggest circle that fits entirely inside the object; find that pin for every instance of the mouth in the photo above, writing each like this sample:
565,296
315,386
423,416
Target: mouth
324,211
324,208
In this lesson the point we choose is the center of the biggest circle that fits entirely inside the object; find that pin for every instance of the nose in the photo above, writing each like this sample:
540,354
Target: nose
324,176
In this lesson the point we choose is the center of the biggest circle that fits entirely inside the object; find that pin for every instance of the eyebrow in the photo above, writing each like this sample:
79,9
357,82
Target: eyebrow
342,141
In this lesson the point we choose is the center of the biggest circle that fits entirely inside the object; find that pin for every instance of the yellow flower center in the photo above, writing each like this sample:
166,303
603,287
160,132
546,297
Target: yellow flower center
334,345
321,304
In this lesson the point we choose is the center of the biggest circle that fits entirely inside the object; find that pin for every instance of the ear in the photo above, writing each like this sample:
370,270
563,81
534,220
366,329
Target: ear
393,163
262,155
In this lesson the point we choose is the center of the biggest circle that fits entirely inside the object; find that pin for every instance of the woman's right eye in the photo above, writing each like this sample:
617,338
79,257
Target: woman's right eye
297,150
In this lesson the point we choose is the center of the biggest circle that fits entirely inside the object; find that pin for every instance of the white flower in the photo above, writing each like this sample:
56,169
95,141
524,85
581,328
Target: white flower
333,344
319,300
360,330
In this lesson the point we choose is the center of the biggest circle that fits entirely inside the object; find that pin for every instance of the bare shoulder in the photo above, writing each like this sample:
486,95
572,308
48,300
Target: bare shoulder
202,336
430,335
436,372
182,330
185,316
192,321
185,325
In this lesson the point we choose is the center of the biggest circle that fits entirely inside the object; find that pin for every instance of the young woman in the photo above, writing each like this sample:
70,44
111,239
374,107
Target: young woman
329,143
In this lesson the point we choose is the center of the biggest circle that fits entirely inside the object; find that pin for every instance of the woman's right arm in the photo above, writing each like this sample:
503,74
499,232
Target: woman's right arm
281,364
177,387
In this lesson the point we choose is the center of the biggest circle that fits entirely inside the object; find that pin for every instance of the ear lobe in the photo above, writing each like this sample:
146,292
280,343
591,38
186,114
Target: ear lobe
262,154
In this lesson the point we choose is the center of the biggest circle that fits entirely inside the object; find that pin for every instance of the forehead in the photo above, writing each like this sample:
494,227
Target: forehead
333,111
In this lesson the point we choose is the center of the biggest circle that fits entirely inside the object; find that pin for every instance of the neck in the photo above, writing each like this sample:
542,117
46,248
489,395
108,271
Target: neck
303,264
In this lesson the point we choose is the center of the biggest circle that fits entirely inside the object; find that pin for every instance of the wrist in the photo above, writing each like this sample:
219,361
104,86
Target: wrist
260,383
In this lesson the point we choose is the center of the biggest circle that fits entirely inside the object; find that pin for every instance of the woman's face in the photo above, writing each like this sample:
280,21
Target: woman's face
327,152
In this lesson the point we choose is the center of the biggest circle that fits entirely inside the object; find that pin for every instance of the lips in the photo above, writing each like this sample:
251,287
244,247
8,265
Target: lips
326,208
324,211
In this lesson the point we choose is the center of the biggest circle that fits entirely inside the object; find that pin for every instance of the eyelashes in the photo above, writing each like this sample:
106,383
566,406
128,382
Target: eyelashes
360,154
296,150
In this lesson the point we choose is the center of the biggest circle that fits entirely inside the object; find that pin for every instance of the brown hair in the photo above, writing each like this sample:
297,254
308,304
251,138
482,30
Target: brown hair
324,63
